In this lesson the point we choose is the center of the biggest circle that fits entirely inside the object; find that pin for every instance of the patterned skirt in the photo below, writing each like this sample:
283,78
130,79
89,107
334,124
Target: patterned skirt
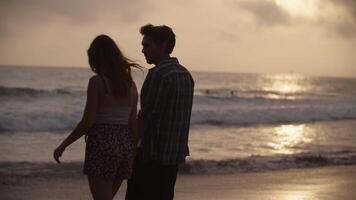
109,152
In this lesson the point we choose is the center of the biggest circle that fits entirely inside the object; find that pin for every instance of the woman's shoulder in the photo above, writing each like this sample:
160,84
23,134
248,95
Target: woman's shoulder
96,81
95,78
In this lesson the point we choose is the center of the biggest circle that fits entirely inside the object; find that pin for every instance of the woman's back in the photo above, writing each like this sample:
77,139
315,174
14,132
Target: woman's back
111,110
109,123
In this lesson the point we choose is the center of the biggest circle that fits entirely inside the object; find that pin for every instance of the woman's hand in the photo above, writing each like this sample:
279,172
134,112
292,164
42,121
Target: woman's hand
142,125
58,153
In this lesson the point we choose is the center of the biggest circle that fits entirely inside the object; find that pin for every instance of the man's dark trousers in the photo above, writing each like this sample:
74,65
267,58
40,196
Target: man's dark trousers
151,180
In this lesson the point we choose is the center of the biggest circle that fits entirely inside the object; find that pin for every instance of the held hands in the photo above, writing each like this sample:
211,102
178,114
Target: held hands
58,153
142,125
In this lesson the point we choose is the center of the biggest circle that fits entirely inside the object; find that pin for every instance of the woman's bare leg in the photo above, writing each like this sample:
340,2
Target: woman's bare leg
115,187
100,189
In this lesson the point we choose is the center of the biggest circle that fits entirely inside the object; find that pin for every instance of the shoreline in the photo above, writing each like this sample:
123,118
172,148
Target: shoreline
330,183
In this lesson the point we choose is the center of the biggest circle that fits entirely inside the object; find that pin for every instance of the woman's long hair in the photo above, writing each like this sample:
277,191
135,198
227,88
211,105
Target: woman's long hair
105,58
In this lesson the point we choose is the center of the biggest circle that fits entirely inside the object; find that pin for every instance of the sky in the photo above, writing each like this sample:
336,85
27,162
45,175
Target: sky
309,37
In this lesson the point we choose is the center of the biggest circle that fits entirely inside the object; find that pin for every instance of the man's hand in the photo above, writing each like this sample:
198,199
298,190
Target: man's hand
142,126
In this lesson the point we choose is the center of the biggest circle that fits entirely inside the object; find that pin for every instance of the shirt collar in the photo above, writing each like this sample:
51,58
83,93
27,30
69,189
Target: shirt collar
172,60
163,63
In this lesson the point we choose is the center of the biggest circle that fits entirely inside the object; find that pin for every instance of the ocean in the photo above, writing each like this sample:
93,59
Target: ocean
240,122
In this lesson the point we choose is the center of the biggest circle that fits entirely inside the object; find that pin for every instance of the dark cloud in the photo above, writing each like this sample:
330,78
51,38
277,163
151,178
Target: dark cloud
348,5
266,13
339,29
344,25
39,12
345,29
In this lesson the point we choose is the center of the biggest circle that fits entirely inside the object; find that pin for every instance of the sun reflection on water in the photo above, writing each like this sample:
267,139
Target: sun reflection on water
284,86
287,138
302,195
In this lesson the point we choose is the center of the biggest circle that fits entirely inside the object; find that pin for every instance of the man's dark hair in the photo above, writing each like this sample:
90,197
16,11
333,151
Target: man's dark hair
160,34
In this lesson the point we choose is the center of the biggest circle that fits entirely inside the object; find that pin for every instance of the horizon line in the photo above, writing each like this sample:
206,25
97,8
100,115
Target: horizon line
204,71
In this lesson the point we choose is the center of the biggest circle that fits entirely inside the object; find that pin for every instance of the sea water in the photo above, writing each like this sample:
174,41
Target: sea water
240,122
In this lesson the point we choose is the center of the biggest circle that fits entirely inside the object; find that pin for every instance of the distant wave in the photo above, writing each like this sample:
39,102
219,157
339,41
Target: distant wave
260,94
237,111
231,166
31,92
66,106
220,113
247,117
43,121
221,94
54,122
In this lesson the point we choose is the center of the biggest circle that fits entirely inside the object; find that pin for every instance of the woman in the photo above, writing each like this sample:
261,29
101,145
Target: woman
109,120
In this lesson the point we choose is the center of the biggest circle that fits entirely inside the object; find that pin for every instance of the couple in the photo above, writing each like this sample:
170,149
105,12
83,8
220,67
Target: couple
145,148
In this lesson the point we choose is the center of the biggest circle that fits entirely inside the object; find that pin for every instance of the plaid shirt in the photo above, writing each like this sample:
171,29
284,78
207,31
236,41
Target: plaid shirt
166,102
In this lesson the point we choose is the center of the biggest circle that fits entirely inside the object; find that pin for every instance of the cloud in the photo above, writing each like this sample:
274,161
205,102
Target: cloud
348,5
343,23
336,18
266,13
39,12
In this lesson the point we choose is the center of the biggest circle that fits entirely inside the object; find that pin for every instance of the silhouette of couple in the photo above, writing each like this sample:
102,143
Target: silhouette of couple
145,148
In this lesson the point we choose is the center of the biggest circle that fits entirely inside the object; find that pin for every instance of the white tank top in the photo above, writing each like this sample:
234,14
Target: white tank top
113,115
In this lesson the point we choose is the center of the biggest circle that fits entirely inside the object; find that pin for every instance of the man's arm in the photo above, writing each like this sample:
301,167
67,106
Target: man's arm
156,96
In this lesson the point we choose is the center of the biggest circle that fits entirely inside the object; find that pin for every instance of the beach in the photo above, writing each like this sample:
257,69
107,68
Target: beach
327,183
268,111
252,136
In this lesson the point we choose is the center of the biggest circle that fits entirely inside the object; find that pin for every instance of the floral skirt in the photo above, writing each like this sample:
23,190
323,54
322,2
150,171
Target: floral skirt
109,152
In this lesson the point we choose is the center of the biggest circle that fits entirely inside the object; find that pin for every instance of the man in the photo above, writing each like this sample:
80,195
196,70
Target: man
166,104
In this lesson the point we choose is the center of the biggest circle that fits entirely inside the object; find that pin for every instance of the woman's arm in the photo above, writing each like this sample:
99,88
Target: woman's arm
87,119
133,114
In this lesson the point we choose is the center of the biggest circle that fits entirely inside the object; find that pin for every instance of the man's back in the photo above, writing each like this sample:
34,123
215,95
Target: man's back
164,118
166,99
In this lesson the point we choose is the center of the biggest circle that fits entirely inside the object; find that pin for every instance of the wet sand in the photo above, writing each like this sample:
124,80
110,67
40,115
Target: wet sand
326,183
